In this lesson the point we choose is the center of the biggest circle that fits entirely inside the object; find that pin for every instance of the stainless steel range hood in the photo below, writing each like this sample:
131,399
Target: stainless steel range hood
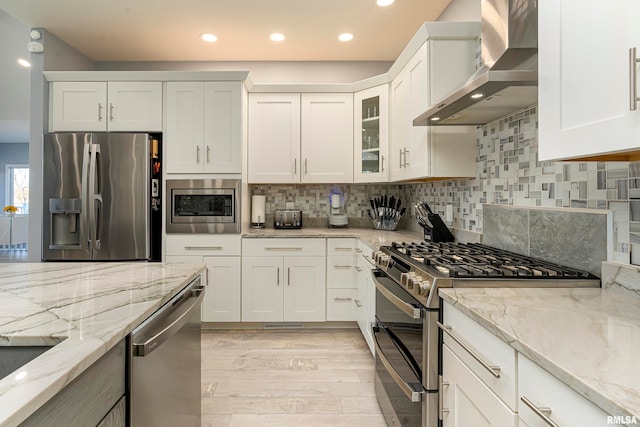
508,80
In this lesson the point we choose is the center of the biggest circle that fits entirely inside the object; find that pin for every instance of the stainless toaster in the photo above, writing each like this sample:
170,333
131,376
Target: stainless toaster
287,218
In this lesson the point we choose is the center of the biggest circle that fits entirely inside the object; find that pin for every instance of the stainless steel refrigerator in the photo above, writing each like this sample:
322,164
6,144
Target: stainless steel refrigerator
100,195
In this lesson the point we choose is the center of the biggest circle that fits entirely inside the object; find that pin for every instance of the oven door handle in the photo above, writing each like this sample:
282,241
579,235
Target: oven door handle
409,309
413,391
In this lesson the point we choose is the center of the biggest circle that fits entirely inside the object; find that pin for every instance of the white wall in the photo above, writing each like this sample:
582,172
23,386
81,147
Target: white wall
461,10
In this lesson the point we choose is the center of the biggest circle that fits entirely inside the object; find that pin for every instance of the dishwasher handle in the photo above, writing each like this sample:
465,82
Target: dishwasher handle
143,345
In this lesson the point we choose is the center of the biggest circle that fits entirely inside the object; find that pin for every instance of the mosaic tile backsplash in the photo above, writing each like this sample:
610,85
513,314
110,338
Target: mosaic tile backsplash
508,173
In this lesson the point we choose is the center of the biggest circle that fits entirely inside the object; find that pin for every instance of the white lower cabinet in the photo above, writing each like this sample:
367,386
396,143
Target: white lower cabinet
365,294
341,279
466,400
283,280
221,255
543,396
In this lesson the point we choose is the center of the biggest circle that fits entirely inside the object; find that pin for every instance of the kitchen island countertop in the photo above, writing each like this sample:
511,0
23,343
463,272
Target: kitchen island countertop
588,338
83,310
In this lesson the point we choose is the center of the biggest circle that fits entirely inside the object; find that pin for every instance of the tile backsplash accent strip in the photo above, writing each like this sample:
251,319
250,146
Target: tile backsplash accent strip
573,237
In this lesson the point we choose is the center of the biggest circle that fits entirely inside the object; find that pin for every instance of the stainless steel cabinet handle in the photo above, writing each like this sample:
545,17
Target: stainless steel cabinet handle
197,154
288,276
343,249
278,277
382,167
405,158
342,299
99,112
342,266
410,310
282,248
111,111
202,248
441,409
400,158
295,166
494,370
413,391
542,412
359,250
357,303
358,269
306,169
633,81
208,154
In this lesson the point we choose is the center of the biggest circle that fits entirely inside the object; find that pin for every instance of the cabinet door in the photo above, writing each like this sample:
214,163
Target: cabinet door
305,289
262,289
400,132
78,106
584,104
185,127
327,137
135,106
417,157
365,297
222,127
222,299
466,400
274,138
371,135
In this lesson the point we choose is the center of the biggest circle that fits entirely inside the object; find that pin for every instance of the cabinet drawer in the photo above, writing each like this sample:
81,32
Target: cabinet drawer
489,348
283,247
341,305
341,247
341,272
466,400
543,390
198,244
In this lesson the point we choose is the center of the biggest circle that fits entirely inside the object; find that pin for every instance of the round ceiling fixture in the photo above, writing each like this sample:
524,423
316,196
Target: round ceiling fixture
208,37
384,3
345,37
277,37
24,63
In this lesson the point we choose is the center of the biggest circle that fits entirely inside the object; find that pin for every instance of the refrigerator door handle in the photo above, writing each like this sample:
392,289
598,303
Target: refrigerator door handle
84,194
95,150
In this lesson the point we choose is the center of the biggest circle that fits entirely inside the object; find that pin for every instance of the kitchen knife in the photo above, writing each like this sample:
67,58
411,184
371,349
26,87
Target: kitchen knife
373,207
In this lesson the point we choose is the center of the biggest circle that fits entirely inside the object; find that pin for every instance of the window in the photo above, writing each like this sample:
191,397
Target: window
17,187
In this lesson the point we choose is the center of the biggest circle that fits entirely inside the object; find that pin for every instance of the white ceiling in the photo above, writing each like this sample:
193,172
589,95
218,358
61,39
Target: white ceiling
168,30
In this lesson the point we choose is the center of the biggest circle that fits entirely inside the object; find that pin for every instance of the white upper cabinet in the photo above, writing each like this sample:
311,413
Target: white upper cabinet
297,138
371,135
102,106
438,67
274,137
585,72
204,127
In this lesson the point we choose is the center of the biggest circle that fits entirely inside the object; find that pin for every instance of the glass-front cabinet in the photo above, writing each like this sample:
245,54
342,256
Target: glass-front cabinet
371,133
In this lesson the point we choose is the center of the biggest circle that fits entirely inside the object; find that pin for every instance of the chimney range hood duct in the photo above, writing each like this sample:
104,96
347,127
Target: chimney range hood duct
508,80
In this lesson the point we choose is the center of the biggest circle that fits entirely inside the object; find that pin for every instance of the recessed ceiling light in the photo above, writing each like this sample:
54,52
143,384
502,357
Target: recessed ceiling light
384,3
208,37
435,119
24,63
477,95
345,37
277,37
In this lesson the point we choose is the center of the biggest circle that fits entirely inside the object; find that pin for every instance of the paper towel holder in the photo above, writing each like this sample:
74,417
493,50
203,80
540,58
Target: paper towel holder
258,211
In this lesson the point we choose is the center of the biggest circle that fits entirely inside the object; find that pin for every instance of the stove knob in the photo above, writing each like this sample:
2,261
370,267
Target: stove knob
405,278
424,288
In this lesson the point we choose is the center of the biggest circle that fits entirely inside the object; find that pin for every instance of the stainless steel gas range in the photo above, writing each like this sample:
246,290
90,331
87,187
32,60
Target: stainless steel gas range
407,333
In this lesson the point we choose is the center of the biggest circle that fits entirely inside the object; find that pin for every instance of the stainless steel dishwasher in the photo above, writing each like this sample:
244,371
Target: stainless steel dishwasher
164,368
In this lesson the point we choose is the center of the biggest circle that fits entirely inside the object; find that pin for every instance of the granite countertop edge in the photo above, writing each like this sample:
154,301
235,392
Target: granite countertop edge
493,317
96,314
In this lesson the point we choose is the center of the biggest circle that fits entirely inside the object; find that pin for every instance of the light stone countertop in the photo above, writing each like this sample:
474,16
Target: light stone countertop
588,338
373,238
84,308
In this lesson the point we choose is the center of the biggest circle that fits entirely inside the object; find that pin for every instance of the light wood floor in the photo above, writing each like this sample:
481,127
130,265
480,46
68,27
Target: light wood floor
282,378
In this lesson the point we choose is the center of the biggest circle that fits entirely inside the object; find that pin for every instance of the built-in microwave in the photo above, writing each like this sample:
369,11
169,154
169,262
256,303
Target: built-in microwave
203,205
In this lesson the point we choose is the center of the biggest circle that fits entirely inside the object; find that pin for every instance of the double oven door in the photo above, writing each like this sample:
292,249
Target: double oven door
406,340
